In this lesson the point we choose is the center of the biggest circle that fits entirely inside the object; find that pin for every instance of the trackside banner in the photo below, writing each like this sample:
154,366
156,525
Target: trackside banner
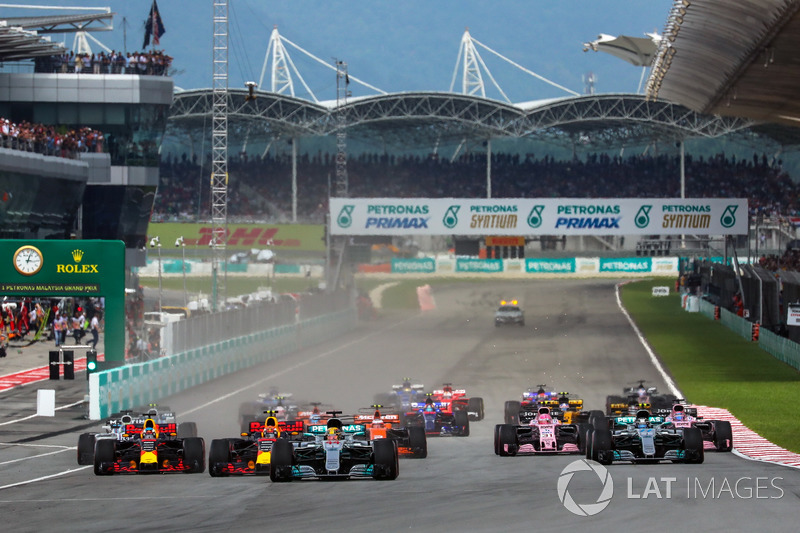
538,216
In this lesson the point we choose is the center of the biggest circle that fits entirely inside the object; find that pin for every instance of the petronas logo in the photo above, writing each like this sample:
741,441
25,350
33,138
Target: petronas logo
642,218
345,217
451,217
535,216
728,218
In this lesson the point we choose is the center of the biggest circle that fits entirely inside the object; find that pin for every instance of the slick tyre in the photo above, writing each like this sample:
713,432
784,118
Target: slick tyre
418,442
507,440
511,412
194,455
589,434
104,452
462,421
582,431
601,446
86,449
281,461
723,436
218,455
187,429
386,465
597,419
693,445
475,405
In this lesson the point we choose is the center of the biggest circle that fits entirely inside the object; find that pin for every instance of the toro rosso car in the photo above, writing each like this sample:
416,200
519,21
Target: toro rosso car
717,432
438,420
335,451
411,441
114,429
154,449
644,438
252,452
453,400
402,396
636,397
542,435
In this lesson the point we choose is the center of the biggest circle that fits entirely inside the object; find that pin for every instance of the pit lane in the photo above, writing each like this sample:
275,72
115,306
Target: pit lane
575,339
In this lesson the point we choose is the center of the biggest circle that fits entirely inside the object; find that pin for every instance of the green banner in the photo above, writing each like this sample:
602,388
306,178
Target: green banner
300,237
555,266
626,264
479,265
413,266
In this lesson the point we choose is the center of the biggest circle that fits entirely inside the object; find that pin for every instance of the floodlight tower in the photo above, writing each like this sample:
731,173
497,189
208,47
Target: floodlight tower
219,152
342,92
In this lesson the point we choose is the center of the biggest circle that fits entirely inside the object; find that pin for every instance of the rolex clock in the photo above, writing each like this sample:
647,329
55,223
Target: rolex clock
28,260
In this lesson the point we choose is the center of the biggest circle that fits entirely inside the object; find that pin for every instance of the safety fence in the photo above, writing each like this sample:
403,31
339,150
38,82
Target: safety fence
139,384
781,348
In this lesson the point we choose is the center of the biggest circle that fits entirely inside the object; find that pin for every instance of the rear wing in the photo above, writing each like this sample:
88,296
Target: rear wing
293,427
628,420
135,428
387,419
322,429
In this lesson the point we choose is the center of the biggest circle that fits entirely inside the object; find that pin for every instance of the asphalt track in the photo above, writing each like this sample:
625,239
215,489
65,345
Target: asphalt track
575,339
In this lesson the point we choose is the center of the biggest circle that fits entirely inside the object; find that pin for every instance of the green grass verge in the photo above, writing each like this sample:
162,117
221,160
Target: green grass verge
714,366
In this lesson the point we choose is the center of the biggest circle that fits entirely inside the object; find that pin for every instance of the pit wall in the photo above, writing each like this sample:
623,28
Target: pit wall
111,391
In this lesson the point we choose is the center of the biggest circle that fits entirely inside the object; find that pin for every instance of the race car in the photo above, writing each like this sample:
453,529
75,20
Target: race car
251,453
456,400
509,313
636,397
531,400
402,396
335,451
643,438
273,400
411,441
114,429
154,449
437,420
542,435
717,432
312,414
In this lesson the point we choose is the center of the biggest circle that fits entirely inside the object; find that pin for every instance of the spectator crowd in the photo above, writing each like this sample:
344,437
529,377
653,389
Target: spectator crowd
49,140
153,63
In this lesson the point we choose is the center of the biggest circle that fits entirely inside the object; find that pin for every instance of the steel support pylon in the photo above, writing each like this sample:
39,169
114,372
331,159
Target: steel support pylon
342,92
219,154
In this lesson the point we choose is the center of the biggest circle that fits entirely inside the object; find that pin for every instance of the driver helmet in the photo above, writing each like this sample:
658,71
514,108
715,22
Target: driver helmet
545,418
334,433
377,423
677,412
429,404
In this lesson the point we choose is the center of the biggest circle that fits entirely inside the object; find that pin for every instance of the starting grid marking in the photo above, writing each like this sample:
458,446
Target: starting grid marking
749,443
34,375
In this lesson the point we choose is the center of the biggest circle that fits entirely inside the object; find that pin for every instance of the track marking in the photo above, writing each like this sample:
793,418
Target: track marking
653,359
66,449
129,498
51,476
298,365
37,445
35,415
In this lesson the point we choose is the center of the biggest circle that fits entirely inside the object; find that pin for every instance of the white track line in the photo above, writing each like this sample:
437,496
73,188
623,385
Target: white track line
653,359
298,365
35,456
51,476
35,415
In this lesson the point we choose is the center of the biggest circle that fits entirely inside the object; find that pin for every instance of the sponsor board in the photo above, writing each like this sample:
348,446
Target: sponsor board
626,264
301,237
513,217
414,266
660,291
479,265
793,315
555,266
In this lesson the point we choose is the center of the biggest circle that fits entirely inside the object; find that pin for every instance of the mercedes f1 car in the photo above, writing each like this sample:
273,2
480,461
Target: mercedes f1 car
643,438
153,449
411,441
437,419
542,435
252,452
336,451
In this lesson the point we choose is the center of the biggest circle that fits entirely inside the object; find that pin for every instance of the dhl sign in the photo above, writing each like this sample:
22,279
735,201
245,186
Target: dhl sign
301,237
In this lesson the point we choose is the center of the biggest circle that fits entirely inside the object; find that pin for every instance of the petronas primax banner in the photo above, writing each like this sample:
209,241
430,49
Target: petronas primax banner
538,216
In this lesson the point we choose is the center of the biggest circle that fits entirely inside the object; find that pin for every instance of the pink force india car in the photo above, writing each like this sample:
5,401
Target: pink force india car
543,434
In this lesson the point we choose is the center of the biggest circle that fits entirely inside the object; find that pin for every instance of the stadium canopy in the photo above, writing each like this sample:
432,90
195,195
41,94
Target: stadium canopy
65,23
731,58
638,51
414,120
19,44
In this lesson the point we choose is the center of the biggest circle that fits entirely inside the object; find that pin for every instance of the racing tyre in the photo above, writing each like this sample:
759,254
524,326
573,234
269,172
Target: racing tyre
597,419
281,461
507,440
462,421
511,412
601,446
86,449
475,405
693,445
497,438
104,452
386,464
219,454
723,436
418,442
187,429
582,430
588,446
194,455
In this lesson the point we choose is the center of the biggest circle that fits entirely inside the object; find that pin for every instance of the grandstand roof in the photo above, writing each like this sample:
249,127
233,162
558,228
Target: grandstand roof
17,43
731,58
420,119
64,23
